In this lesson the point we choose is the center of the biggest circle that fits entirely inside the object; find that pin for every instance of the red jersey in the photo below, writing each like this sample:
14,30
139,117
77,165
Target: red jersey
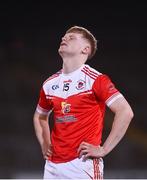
78,101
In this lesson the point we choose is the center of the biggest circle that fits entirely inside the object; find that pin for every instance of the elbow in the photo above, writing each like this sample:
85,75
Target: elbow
129,114
34,116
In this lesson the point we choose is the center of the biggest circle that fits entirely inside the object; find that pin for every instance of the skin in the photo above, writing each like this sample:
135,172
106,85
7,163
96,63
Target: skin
43,133
122,118
74,51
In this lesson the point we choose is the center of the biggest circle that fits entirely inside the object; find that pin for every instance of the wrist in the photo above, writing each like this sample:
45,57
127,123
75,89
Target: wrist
105,151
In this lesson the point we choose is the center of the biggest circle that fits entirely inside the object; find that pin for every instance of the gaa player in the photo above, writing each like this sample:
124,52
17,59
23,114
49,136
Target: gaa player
77,95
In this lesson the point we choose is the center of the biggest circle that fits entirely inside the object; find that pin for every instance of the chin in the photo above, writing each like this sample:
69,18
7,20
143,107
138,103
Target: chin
60,52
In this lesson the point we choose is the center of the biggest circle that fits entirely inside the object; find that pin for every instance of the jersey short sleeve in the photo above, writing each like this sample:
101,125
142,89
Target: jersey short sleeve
105,90
44,104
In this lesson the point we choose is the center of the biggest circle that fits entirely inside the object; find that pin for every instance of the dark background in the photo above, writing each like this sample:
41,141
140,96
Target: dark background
30,33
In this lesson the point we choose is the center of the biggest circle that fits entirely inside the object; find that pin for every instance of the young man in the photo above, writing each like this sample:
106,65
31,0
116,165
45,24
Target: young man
77,95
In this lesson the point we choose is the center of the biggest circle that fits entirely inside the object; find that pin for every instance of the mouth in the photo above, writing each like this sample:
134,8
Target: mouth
63,44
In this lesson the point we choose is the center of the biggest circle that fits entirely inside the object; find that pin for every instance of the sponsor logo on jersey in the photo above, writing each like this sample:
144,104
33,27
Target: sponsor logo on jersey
65,107
67,81
54,87
67,118
80,85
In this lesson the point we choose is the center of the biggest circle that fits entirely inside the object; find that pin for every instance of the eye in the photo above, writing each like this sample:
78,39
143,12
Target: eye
72,37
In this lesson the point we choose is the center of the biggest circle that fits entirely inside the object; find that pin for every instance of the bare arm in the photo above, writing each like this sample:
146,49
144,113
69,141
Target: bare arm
42,131
123,116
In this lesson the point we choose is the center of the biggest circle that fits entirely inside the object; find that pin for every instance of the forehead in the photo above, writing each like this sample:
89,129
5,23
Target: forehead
73,34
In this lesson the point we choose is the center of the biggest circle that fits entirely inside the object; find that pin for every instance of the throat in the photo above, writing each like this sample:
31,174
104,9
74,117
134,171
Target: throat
70,68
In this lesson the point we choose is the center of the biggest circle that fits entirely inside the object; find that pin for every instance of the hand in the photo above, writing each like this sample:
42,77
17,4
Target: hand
89,150
46,150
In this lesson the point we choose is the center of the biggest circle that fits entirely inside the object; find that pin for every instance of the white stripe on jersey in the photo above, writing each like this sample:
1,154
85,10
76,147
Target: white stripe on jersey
113,98
43,111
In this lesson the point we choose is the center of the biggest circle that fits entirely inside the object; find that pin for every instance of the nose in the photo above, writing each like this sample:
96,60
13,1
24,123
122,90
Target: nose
65,38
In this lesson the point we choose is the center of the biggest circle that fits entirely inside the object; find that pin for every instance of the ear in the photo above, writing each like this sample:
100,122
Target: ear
86,50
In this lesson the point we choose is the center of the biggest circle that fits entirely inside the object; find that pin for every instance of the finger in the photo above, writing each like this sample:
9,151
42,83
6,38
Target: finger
85,143
86,156
49,153
49,150
83,152
81,147
46,157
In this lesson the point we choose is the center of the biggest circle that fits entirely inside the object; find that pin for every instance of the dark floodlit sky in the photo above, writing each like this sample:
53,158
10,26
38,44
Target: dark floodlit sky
30,34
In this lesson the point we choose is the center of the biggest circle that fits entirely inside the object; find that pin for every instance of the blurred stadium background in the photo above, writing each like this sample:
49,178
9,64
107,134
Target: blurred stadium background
30,34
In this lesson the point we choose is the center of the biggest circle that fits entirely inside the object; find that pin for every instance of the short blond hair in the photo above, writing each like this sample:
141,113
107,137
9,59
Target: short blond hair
87,35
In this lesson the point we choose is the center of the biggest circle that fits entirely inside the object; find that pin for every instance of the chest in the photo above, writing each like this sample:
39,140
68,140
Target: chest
69,86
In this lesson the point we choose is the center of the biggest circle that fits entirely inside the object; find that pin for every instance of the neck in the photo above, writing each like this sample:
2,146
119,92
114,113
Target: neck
72,64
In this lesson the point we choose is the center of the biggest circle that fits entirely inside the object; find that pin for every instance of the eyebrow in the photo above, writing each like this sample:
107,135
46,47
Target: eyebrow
71,35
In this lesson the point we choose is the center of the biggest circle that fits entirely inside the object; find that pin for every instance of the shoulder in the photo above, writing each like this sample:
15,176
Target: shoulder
91,69
52,77
91,72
